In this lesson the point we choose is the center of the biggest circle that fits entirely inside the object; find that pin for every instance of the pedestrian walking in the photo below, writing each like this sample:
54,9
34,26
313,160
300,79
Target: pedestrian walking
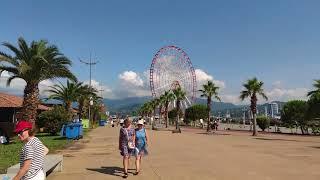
32,153
126,144
141,144
121,122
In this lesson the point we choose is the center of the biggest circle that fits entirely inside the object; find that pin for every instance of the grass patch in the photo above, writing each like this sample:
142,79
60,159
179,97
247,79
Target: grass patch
9,154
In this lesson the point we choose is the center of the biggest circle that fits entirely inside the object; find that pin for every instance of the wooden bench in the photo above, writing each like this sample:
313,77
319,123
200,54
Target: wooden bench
52,163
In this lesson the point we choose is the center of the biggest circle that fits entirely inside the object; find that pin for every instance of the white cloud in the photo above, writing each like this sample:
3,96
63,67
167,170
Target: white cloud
5,74
277,84
130,77
132,84
231,98
282,94
274,94
203,77
104,90
44,86
16,86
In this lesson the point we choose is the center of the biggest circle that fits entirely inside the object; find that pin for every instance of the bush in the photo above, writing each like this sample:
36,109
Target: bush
195,112
263,122
53,120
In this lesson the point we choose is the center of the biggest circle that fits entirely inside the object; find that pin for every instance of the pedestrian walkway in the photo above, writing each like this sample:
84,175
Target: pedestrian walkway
97,157
193,155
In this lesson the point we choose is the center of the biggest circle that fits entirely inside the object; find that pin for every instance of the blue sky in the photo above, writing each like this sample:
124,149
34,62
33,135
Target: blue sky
231,41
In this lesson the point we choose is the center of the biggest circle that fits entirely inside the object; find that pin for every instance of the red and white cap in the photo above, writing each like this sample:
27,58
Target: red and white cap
22,125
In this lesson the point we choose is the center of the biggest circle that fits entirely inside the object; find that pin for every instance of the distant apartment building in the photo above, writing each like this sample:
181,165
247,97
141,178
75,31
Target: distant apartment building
272,110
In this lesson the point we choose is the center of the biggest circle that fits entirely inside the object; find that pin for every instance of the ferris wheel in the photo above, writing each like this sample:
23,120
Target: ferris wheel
172,68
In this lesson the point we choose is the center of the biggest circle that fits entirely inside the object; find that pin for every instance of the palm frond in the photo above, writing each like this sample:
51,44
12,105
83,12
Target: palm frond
9,69
11,78
8,58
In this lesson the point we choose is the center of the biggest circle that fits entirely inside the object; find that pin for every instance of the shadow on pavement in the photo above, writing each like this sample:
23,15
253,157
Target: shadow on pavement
316,147
113,171
268,139
214,133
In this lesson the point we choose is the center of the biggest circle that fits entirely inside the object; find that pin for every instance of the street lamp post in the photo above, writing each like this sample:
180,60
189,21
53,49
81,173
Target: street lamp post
90,64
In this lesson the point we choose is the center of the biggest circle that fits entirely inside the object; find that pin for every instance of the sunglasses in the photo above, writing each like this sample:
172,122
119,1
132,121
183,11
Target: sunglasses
21,132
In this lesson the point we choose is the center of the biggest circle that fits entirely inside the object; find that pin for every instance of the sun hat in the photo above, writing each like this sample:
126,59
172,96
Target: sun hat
141,121
21,125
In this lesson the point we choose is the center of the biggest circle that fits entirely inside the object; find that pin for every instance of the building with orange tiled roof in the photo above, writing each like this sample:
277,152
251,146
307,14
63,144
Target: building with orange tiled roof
10,106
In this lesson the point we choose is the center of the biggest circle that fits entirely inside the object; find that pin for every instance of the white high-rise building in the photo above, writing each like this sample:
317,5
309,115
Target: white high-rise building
273,109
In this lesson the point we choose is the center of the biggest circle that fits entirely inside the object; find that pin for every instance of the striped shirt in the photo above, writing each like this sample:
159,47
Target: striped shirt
33,150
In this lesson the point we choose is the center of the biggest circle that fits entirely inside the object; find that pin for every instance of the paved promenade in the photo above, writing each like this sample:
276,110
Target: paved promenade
192,155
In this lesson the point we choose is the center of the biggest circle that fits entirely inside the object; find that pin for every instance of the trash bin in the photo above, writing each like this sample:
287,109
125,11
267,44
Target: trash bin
71,131
85,123
63,131
78,130
102,122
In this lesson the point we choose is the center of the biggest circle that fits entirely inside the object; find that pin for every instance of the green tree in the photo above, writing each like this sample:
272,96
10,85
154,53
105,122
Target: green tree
168,97
68,94
173,114
179,96
34,63
53,120
209,90
294,114
253,87
263,122
146,109
154,104
313,114
85,92
195,112
161,105
314,106
316,85
96,109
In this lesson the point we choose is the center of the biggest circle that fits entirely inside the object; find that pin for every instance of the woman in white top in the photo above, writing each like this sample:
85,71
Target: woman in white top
32,153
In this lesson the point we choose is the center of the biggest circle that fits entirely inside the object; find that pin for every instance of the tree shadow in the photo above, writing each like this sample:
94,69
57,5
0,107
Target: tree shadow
112,170
277,139
316,147
214,133
60,138
44,135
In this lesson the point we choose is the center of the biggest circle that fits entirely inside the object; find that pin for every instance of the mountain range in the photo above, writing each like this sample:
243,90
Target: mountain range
129,105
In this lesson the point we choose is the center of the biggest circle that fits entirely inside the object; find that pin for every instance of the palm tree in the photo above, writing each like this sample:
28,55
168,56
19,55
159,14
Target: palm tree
146,109
161,105
253,87
96,108
209,90
34,63
168,97
66,93
154,104
85,93
316,85
179,96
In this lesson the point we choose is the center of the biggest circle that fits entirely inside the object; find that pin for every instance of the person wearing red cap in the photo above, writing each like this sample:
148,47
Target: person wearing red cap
32,153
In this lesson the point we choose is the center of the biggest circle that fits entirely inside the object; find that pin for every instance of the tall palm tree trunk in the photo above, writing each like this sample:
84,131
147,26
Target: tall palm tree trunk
255,132
68,108
178,112
254,113
154,118
160,114
167,115
80,111
209,110
30,102
80,108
